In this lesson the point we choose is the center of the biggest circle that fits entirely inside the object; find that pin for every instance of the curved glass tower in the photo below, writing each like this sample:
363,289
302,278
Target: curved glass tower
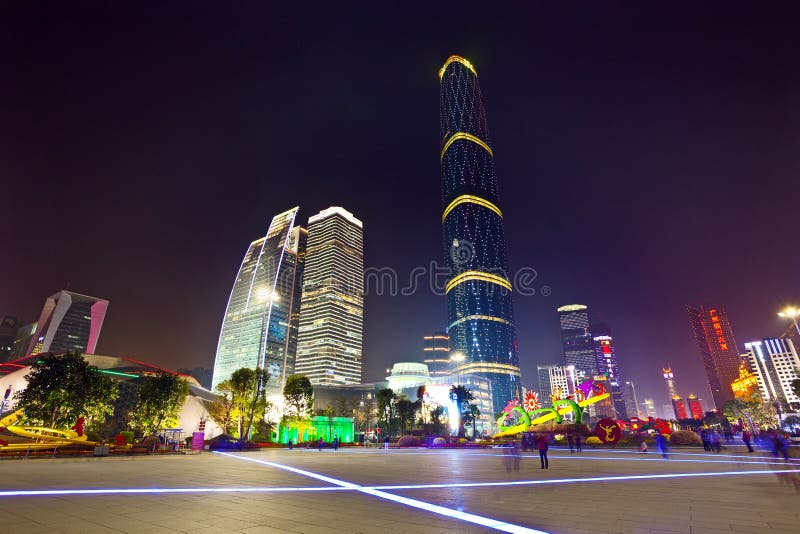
480,314
259,329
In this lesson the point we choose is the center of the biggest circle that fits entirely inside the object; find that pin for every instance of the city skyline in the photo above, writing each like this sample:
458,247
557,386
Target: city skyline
654,153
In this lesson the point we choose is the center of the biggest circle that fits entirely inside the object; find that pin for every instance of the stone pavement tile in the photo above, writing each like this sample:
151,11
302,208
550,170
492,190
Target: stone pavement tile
258,530
776,524
706,530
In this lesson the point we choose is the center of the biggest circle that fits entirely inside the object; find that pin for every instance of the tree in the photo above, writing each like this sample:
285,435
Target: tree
387,409
63,388
161,398
796,384
298,395
462,397
222,409
405,412
436,419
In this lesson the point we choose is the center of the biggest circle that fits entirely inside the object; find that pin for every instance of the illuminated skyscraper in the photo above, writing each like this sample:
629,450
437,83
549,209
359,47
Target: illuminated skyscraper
69,322
436,354
631,402
714,336
607,365
332,311
480,314
576,339
259,329
695,408
775,364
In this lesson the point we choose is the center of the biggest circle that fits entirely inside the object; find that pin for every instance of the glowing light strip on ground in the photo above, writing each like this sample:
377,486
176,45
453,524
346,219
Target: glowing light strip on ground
480,318
413,503
140,491
468,137
470,199
583,456
457,59
477,275
589,479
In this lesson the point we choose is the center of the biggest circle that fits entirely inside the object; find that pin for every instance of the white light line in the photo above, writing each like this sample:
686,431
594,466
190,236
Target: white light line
588,479
135,491
414,503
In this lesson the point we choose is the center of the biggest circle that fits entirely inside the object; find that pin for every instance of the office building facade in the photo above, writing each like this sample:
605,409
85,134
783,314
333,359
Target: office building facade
631,401
577,341
607,366
714,336
479,307
69,322
775,362
330,342
436,354
259,329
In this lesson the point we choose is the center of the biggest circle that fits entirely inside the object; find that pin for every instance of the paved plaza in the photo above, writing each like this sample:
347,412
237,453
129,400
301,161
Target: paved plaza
402,491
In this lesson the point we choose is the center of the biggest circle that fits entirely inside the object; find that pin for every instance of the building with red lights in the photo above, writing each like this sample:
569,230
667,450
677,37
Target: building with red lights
714,336
695,408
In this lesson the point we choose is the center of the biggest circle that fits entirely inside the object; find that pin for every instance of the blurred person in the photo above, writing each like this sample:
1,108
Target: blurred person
578,445
706,440
747,438
715,441
661,442
571,443
541,444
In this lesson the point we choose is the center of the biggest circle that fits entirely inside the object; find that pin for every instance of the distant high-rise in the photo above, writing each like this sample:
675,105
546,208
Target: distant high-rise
669,378
577,341
480,314
607,365
775,364
714,336
649,408
695,408
558,380
631,402
259,329
69,322
329,348
8,333
436,354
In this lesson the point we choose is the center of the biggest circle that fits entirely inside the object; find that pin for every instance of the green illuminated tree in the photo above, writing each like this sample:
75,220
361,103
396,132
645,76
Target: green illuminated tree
161,398
63,388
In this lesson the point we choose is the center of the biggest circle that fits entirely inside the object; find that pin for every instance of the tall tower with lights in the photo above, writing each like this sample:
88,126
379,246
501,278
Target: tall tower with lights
480,314
259,329
714,336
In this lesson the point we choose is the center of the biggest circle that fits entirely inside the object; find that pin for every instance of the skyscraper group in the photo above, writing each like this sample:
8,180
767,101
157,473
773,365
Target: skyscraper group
297,303
479,307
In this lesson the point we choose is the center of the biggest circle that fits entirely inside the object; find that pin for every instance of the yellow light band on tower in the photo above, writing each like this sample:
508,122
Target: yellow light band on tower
479,276
471,199
457,59
469,137
482,318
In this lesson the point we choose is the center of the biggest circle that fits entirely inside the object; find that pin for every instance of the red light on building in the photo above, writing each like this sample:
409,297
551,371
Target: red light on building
679,406
695,408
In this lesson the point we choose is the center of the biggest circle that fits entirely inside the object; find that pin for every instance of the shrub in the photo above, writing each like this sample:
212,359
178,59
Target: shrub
593,441
128,435
408,441
462,441
685,437
439,441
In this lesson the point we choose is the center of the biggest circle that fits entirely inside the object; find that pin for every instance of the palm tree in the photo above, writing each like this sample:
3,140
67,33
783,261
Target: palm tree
474,413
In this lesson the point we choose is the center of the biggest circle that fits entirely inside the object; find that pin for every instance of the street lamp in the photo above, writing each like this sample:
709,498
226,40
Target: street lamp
791,313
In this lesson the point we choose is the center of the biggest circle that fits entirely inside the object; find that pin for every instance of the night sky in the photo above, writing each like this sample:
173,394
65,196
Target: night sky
648,157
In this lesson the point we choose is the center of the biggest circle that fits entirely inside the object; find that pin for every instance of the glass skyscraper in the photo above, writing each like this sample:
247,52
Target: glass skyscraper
576,339
332,310
714,336
259,329
436,354
607,365
480,314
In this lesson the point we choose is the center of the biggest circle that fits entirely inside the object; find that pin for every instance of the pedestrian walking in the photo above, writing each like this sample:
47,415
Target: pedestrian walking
715,441
705,440
541,443
661,441
578,445
571,443
321,443
336,443
746,437
386,443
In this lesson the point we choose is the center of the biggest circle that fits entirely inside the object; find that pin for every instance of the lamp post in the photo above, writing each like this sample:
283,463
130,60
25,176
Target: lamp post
791,313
